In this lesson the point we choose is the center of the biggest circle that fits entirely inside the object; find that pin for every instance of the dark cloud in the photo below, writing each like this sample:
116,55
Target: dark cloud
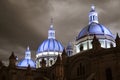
25,22
15,30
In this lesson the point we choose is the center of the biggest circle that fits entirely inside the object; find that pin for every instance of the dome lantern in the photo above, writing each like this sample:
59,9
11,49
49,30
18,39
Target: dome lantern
93,15
51,31
28,53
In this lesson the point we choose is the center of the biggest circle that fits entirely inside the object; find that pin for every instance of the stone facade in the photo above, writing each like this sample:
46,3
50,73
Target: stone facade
94,64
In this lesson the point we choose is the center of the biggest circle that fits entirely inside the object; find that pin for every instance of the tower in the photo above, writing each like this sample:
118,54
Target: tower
12,61
59,69
12,67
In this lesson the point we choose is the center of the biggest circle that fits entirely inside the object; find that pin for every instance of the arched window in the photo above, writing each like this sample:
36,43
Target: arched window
81,47
90,18
51,62
108,72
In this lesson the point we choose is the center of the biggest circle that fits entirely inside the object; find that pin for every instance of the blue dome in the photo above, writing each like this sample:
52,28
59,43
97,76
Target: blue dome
50,45
94,28
26,62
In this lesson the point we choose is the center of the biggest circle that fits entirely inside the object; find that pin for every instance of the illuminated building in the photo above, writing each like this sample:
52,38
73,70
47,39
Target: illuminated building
85,37
97,57
49,49
27,60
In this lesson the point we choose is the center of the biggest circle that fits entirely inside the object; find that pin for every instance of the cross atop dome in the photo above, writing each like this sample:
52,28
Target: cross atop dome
51,25
51,31
93,15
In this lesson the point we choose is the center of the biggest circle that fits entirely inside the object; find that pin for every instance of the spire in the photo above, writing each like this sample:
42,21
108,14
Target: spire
95,43
58,61
51,20
51,31
43,63
12,56
12,60
64,56
117,40
117,36
64,52
93,15
28,53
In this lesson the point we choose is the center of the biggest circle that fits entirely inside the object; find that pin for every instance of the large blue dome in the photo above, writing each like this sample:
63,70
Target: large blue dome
50,45
26,62
94,28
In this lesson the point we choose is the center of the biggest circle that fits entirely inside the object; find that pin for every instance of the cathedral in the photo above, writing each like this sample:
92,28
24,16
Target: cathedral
95,55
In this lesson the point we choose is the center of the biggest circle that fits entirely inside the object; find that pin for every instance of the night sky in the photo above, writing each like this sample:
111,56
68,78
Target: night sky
26,22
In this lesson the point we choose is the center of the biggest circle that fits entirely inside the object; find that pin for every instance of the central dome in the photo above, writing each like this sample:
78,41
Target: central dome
50,45
94,29
49,49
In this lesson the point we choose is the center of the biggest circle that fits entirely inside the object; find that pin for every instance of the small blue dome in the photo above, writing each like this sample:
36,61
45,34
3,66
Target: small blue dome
26,62
94,28
50,45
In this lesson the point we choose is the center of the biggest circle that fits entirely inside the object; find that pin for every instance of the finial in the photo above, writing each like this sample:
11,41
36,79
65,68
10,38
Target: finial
51,26
93,7
28,48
